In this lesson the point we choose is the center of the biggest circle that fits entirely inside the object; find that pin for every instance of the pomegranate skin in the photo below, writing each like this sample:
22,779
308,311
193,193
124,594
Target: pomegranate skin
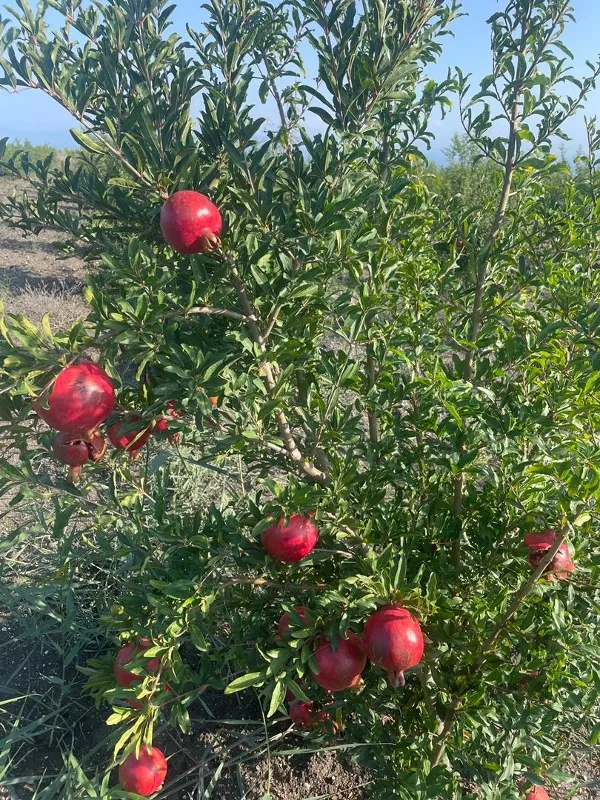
81,397
292,542
145,774
125,656
190,222
341,669
302,713
561,565
132,440
537,793
393,640
284,623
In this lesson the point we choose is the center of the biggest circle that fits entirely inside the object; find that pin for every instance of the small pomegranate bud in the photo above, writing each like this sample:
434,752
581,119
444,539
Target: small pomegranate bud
81,397
126,656
284,623
161,425
292,542
393,640
190,222
341,668
76,450
122,437
538,543
143,774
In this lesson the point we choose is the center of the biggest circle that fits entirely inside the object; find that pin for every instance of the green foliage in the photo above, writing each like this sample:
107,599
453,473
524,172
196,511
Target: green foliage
411,357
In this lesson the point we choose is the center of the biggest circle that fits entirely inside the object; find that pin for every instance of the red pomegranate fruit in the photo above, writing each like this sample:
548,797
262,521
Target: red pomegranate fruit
143,774
76,450
190,222
290,542
538,543
393,640
537,793
162,423
302,713
125,657
123,437
284,623
341,668
81,397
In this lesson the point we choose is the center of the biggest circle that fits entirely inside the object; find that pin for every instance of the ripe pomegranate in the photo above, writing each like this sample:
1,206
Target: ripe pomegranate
537,793
538,543
143,774
284,622
310,714
162,423
131,440
340,669
81,397
190,222
126,655
393,640
291,542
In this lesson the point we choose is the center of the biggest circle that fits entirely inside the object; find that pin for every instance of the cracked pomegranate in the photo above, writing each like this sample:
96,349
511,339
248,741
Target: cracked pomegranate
81,397
539,543
76,450
290,542
393,640
143,774
341,668
190,222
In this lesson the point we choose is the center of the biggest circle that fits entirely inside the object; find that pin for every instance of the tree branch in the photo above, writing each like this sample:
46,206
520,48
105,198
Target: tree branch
219,312
285,431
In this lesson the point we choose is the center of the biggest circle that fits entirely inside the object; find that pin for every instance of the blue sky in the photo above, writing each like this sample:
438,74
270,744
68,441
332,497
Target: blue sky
30,114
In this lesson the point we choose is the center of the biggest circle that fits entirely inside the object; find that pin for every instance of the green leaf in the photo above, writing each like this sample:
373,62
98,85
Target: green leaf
87,142
245,682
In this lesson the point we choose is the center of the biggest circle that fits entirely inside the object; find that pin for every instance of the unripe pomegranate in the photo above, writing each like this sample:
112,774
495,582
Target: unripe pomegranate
81,397
76,450
190,222
144,774
284,622
340,669
393,640
537,793
130,440
291,542
538,543
125,657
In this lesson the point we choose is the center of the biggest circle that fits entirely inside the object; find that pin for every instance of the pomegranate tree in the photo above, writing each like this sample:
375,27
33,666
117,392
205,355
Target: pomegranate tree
78,399
406,359
190,222
393,640
77,449
145,773
290,541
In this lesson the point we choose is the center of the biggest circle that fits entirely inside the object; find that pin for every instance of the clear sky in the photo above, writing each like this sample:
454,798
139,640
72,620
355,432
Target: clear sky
30,114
